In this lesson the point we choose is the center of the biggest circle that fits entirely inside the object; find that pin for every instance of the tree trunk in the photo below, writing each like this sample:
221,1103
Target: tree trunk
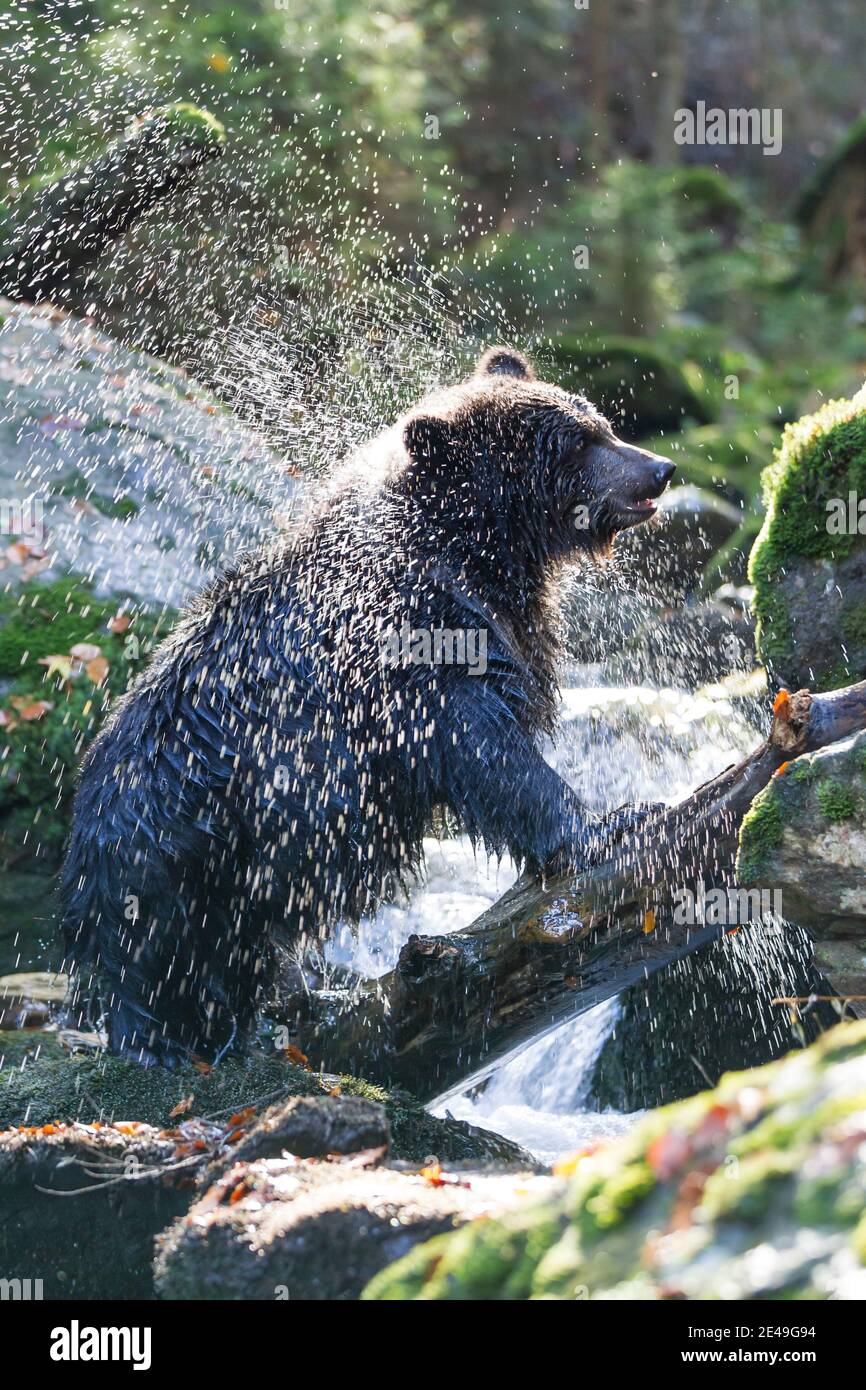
545,953
48,239
666,43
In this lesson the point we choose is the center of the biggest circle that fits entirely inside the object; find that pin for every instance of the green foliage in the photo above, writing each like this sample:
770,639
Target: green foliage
43,619
41,755
639,385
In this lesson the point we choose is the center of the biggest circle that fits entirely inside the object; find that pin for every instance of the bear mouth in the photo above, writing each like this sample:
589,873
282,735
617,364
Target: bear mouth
641,510
638,509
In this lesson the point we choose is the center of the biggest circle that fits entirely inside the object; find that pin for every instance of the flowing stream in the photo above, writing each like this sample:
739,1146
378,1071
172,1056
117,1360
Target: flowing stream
616,744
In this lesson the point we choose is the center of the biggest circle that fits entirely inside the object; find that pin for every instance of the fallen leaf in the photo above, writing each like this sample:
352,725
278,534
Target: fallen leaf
57,665
649,921
667,1154
295,1056
780,706
97,669
85,651
241,1117
33,709
183,1105
567,1165
119,623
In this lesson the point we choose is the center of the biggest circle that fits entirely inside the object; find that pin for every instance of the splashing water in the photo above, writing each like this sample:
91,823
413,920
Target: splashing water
318,356
615,744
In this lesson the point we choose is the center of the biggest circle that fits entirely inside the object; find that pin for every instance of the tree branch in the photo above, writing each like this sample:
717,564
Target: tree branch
50,237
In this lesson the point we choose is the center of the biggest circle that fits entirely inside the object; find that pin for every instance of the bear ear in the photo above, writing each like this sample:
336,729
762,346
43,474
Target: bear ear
504,361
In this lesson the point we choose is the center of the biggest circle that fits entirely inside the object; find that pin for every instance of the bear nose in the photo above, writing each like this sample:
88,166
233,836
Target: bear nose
664,472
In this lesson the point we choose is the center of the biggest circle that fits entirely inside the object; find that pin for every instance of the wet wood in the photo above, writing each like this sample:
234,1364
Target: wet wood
50,237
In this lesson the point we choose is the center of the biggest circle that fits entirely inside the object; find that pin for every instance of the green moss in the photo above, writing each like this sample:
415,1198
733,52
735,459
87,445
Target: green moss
743,1192
760,835
832,1199
821,457
616,1195
44,619
417,1135
86,1087
792,1130
837,801
416,1276
193,122
41,756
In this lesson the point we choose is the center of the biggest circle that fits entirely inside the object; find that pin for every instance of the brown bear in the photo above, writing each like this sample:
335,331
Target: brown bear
277,765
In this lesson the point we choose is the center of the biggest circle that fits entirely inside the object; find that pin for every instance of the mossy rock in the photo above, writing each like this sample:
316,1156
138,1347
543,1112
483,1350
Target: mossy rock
771,1160
85,1087
805,838
641,387
708,1014
808,563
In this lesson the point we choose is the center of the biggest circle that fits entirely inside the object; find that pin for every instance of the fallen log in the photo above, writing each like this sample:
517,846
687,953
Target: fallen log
546,952
49,237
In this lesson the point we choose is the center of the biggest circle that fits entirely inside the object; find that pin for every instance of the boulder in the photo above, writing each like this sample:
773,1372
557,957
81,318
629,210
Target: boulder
296,1229
658,566
90,1199
667,556
124,485
715,1011
808,564
753,1190
117,468
805,839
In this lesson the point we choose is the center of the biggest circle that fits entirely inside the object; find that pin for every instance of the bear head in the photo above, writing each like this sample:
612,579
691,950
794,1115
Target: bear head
506,452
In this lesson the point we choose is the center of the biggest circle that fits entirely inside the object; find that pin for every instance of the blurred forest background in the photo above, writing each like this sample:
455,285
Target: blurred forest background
409,173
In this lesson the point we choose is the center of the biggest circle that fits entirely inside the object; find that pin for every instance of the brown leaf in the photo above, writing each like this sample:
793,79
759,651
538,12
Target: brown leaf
295,1056
183,1105
28,710
119,623
97,669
